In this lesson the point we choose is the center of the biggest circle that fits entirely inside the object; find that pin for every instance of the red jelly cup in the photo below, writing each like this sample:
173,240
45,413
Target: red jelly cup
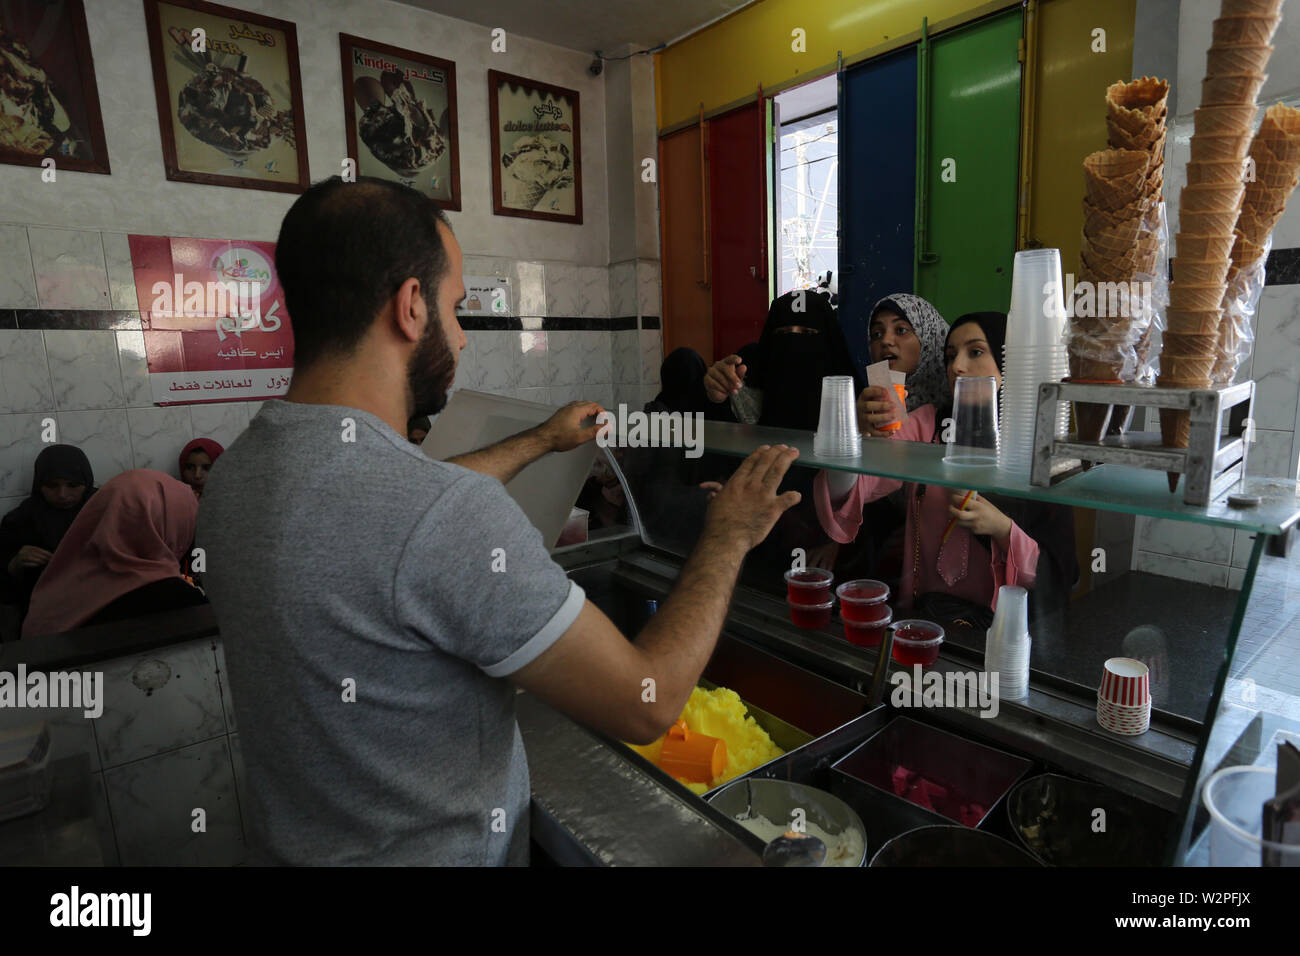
868,633
808,586
917,642
811,615
859,599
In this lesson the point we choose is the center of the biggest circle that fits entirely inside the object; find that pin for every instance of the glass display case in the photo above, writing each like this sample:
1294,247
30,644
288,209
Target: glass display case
838,710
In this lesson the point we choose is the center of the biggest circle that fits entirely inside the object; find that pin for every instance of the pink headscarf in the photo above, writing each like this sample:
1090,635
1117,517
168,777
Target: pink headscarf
135,530
205,445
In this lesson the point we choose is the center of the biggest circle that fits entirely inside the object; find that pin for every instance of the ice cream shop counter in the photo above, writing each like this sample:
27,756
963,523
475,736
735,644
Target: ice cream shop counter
894,750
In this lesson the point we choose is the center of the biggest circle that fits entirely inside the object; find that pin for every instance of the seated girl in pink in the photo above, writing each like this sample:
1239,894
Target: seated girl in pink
986,549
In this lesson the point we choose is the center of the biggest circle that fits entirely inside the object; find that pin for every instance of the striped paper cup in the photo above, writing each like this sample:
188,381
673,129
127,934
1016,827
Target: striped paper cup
1126,682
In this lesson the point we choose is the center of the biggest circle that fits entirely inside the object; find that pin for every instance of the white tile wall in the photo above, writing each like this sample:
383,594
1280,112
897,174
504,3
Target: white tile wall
1198,571
70,268
84,369
121,279
593,292
622,289
158,435
17,277
651,346
561,289
536,359
24,373
647,288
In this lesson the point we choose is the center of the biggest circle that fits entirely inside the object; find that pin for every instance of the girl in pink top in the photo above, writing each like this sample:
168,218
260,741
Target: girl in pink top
986,548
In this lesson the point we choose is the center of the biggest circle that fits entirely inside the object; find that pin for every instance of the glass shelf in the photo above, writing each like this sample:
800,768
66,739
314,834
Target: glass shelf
1105,487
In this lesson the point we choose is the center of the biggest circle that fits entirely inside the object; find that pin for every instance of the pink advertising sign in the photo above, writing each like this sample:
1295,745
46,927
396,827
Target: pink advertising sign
215,324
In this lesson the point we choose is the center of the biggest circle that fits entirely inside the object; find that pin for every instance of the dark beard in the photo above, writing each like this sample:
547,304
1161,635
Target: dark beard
431,371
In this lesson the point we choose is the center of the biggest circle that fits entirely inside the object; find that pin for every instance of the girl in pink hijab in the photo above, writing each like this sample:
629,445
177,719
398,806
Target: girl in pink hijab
196,460
121,558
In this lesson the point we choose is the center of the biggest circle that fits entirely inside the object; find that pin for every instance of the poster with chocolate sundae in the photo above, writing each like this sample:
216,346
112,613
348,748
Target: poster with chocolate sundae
400,108
536,151
49,106
229,96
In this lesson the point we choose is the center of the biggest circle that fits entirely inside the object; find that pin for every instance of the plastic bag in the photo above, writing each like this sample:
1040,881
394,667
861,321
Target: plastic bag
1236,338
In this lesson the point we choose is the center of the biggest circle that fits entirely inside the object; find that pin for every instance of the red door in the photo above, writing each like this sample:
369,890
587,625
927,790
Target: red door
737,183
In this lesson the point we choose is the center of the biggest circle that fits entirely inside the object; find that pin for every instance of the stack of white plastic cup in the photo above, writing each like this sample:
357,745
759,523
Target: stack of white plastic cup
1006,650
1034,353
837,429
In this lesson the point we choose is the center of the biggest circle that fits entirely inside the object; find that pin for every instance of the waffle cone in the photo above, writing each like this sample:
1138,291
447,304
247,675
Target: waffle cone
1224,120
1243,58
1284,118
1138,101
1193,346
1219,149
1272,173
1089,370
1201,271
1196,298
1203,174
1184,322
1204,247
1154,183
1219,223
1250,8
1252,30
1212,197
1231,89
1095,219
1147,139
1245,252
1277,145
1114,235
1109,269
1257,227
1091,420
1175,430
1187,368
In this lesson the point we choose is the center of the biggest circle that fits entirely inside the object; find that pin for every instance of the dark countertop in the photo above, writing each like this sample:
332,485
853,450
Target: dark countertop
64,833
106,641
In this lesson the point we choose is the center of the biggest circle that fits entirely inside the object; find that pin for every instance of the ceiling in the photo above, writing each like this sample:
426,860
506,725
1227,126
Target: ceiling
585,25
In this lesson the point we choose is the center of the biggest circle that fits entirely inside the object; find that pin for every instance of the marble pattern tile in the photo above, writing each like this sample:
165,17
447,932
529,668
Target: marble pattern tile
561,289
121,277
252,408
103,435
542,396
530,288
629,395
535,358
132,358
626,359
1184,569
651,345
1272,454
1276,366
152,802
103,820
158,435
72,732
572,355
1243,542
20,443
223,422
622,289
647,288
157,701
597,356
1183,539
466,368
24,373
496,355
70,269
17,277
593,292
84,369
241,783
223,685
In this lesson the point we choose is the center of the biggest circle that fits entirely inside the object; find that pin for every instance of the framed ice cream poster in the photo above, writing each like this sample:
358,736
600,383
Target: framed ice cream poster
400,108
536,151
229,96
49,108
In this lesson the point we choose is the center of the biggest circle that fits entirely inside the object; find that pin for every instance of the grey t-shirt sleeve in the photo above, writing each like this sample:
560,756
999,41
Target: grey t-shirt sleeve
476,581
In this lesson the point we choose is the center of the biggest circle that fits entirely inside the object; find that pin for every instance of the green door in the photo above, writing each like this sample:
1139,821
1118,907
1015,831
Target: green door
967,195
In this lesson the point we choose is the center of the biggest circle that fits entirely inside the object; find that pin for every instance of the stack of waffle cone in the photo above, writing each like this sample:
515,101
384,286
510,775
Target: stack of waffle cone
1211,204
1273,171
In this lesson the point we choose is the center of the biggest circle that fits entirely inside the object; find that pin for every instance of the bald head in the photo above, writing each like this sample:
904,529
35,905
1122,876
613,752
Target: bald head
344,251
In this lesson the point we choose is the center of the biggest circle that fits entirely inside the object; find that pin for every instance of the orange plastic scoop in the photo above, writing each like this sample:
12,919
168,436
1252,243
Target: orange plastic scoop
902,398
686,755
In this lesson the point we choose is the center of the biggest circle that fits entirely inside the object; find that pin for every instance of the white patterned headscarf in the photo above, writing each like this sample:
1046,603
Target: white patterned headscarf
928,385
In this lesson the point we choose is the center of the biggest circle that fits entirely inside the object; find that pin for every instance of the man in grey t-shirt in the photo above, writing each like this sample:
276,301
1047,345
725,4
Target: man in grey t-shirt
374,642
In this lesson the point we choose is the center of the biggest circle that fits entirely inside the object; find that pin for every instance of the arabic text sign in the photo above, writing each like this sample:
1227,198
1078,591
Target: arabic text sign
212,312
485,295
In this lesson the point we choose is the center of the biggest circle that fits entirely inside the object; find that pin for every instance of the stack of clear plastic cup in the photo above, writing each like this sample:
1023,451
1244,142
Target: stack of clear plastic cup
837,429
1006,650
1034,353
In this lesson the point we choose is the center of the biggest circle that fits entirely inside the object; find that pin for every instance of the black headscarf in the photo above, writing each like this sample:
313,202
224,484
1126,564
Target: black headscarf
994,326
681,382
789,368
36,522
